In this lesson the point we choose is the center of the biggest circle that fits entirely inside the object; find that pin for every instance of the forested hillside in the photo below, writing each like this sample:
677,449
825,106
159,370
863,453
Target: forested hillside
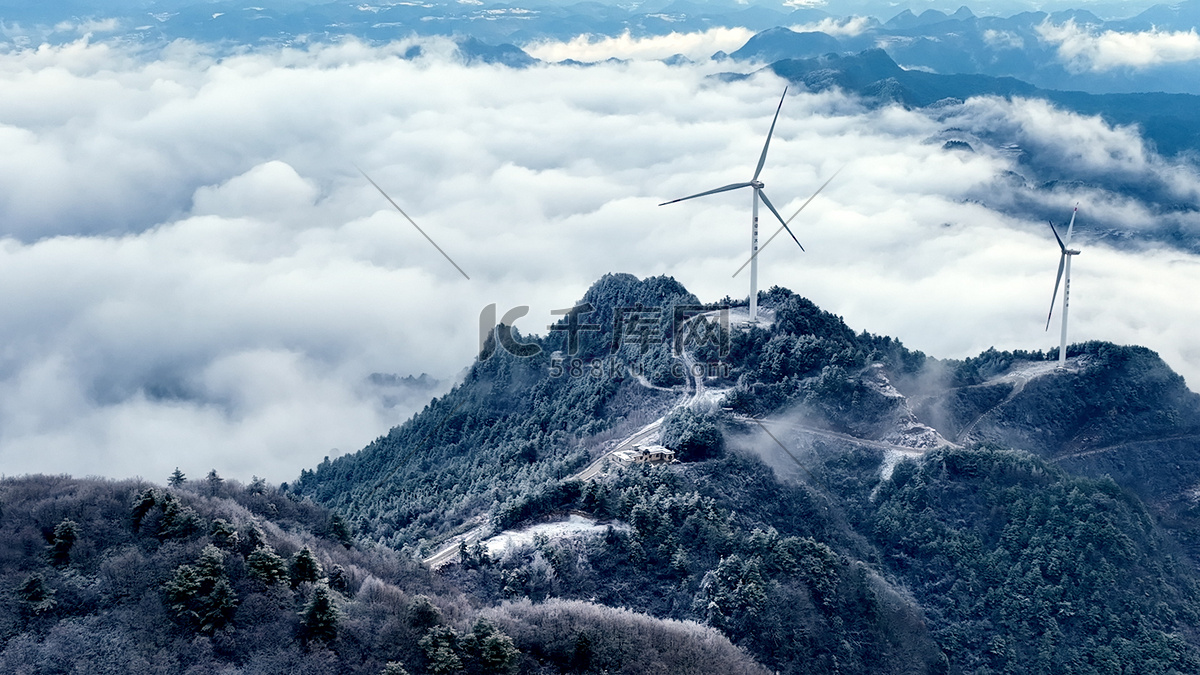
1022,568
206,577
509,430
849,505
517,424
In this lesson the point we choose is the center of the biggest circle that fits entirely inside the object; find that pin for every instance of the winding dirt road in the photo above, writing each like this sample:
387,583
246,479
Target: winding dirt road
1018,377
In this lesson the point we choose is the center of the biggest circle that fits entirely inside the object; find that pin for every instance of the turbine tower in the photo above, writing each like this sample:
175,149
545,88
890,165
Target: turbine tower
1064,263
758,194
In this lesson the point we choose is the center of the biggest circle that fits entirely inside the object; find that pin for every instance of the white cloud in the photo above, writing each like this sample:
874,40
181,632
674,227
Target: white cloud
1086,147
845,27
587,48
1003,39
1085,50
88,27
200,276
267,191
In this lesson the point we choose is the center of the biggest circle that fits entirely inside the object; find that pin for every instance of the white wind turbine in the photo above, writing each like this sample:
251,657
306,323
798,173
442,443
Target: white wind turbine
758,194
1064,263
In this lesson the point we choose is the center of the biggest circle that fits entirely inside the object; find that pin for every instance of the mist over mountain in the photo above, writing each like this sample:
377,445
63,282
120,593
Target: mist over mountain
1136,71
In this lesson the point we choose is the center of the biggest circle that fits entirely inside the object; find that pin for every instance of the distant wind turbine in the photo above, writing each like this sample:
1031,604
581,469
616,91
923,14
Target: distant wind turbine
1064,264
758,194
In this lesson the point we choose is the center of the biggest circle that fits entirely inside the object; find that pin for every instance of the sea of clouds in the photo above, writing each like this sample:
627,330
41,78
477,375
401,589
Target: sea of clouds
197,275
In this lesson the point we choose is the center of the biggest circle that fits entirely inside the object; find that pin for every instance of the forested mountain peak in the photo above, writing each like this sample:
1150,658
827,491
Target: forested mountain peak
797,437
533,410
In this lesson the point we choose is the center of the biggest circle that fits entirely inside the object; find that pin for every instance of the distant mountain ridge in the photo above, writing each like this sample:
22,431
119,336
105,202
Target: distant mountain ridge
949,43
776,44
1170,121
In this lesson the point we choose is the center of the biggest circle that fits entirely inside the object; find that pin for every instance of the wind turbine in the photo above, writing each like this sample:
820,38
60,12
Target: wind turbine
1064,263
755,183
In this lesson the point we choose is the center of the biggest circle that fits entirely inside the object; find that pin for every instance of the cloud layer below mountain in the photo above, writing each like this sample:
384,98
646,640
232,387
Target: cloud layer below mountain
843,27
199,276
588,48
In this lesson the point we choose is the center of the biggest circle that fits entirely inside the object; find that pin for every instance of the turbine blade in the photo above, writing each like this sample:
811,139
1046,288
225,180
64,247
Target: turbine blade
727,188
771,206
814,195
1071,226
414,224
806,203
1061,261
1061,245
762,159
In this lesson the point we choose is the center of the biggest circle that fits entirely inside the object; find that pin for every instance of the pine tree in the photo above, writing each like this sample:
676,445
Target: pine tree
218,608
35,597
339,580
340,531
200,595
679,562
441,648
65,534
181,590
266,566
142,504
304,567
223,534
257,485
423,614
214,482
252,537
319,619
393,668
179,520
177,478
491,649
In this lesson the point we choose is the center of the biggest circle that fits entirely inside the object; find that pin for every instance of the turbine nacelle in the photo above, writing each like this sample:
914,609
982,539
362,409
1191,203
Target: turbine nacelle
754,182
759,195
